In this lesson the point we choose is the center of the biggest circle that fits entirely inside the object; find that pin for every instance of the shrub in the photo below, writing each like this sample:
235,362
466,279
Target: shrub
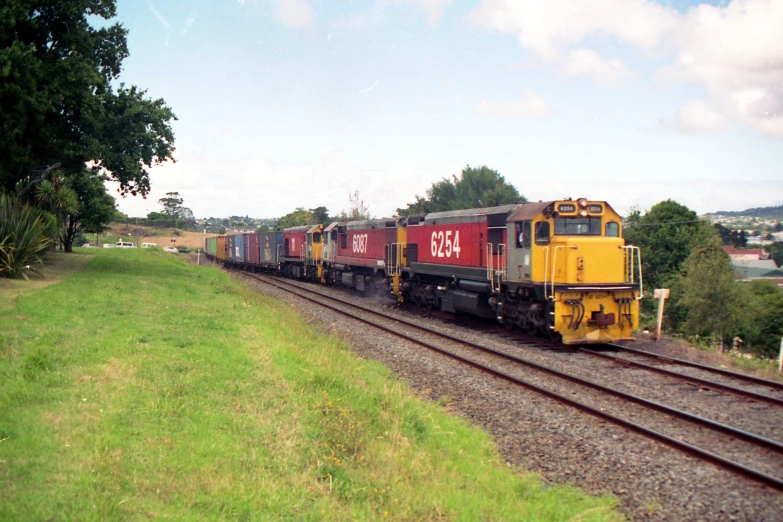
25,234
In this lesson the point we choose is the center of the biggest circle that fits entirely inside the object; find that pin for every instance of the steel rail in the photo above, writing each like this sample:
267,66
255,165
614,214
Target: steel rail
687,378
736,467
674,360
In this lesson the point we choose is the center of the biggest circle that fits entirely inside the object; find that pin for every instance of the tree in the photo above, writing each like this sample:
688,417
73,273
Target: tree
764,327
666,236
297,218
358,210
321,215
172,204
714,300
172,207
94,210
735,238
475,188
776,252
58,103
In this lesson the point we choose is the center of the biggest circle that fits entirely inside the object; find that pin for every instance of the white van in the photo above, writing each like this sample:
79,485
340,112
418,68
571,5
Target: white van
149,245
125,244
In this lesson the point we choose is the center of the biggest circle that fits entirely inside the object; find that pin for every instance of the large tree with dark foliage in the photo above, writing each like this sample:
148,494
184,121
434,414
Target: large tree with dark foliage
735,238
666,235
94,210
57,102
475,187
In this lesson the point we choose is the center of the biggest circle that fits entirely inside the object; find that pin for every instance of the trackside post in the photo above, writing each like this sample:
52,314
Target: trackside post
661,294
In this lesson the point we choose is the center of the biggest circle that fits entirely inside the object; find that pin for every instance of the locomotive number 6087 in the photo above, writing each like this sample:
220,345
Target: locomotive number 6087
442,244
359,243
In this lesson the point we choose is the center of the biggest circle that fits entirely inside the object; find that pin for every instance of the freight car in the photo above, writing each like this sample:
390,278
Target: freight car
560,268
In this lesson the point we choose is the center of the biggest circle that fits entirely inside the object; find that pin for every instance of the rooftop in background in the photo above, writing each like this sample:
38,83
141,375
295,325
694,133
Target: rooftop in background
745,253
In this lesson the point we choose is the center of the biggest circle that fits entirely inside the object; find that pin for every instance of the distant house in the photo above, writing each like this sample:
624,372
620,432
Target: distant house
754,264
746,254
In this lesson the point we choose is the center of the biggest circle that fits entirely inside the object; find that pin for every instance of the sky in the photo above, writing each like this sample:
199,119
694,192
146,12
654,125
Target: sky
297,103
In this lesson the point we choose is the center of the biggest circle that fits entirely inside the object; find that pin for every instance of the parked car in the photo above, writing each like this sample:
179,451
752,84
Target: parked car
171,250
88,245
149,245
108,245
125,244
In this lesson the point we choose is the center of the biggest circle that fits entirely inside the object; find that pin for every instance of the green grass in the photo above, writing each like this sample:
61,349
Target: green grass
144,387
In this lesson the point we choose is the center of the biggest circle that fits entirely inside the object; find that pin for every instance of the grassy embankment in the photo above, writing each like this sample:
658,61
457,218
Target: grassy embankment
145,387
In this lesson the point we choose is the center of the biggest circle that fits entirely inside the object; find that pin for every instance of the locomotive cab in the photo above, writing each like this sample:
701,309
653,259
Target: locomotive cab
570,273
314,258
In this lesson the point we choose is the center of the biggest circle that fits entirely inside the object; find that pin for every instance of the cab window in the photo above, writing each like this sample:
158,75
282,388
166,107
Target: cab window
542,233
316,237
569,226
523,234
612,229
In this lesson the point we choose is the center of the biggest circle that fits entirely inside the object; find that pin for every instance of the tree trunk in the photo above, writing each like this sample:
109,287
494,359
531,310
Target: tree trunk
70,234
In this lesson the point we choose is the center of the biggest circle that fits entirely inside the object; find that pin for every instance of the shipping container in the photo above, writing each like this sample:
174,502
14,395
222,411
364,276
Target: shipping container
221,247
252,253
239,248
270,248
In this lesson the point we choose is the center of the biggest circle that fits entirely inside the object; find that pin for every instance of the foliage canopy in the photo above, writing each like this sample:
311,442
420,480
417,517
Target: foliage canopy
57,101
474,188
666,235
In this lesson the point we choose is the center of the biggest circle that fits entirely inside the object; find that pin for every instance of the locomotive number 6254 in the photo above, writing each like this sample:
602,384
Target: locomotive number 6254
442,245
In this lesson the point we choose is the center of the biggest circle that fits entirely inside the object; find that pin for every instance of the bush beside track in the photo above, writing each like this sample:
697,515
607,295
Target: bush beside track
147,387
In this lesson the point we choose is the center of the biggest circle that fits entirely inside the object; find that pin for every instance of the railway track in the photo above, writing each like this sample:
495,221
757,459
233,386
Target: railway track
768,385
771,447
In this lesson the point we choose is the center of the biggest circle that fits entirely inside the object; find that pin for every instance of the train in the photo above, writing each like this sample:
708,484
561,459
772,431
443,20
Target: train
560,269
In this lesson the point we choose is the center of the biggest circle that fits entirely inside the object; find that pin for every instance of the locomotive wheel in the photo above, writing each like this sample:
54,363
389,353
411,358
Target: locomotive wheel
530,328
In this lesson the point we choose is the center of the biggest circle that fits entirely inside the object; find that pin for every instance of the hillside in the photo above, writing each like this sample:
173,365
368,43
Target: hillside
760,212
161,236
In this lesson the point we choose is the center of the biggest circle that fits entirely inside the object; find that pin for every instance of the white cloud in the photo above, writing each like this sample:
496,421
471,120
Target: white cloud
296,14
549,27
734,50
586,62
269,188
433,8
531,104
697,116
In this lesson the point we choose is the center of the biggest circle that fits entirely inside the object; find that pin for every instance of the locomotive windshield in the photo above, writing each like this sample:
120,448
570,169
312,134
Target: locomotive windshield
573,226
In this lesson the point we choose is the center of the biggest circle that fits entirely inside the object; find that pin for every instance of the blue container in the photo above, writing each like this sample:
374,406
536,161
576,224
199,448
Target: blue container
239,248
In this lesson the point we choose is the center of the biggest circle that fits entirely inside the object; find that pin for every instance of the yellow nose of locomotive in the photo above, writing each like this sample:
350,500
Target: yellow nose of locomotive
594,298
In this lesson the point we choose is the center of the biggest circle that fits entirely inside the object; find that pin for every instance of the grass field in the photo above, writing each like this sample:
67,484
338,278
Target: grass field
143,387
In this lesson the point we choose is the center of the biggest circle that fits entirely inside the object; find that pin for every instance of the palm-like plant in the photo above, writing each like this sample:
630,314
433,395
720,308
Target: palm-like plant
25,234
